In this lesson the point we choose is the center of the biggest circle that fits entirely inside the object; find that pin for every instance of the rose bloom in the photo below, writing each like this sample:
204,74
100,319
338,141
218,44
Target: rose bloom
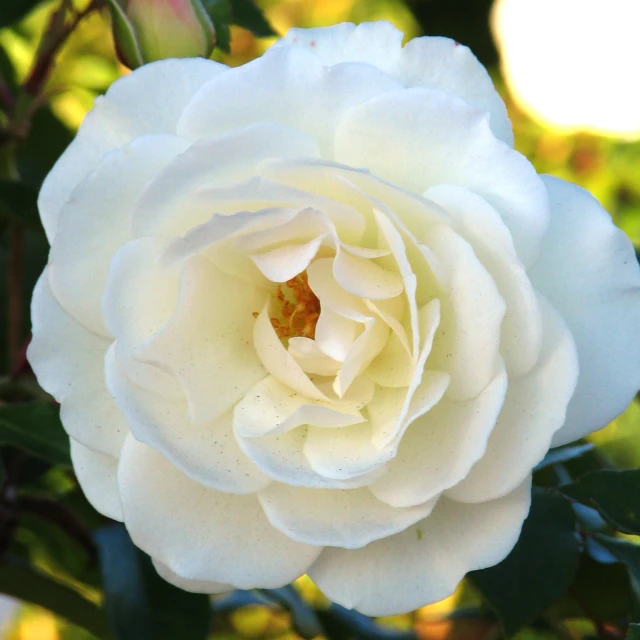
316,315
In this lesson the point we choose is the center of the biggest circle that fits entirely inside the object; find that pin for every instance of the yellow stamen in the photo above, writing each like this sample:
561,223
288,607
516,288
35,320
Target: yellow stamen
299,309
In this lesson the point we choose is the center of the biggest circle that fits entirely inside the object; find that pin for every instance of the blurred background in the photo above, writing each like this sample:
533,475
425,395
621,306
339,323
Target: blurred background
568,71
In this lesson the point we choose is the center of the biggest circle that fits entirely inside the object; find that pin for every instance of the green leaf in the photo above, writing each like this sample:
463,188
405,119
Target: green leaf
627,553
599,591
19,202
220,13
140,604
540,568
36,429
20,581
556,456
634,632
248,15
615,494
12,10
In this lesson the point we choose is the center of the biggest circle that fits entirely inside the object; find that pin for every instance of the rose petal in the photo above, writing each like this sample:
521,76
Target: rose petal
68,361
468,341
286,85
346,518
149,101
424,563
193,529
278,361
208,453
95,223
598,297
390,133
194,586
207,344
138,300
534,409
97,474
270,407
281,457
483,228
438,63
440,447
173,202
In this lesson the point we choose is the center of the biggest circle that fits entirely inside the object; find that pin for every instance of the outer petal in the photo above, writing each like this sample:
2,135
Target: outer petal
69,363
194,586
481,226
425,562
533,411
179,198
390,134
287,85
97,475
435,63
199,533
207,452
150,100
346,518
589,271
95,223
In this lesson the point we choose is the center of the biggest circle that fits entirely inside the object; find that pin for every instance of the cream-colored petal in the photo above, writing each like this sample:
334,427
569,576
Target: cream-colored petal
68,361
345,518
424,563
199,533
534,409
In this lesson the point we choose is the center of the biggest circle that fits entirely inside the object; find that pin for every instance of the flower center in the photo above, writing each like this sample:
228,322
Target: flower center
299,309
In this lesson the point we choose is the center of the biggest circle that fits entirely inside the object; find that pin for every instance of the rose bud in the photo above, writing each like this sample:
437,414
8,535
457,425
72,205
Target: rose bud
148,30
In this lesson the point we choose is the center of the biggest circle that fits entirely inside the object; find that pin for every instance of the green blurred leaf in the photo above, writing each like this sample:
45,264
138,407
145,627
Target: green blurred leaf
19,202
3,472
615,494
627,553
36,429
52,545
20,581
539,569
12,10
556,456
140,604
48,137
634,632
220,13
7,71
599,591
247,14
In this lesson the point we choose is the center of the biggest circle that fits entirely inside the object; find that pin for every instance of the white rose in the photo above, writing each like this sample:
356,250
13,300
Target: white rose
315,314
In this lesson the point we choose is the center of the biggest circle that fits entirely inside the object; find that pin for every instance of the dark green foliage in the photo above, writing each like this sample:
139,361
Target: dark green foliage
140,604
247,14
539,569
613,493
21,581
220,13
13,10
35,428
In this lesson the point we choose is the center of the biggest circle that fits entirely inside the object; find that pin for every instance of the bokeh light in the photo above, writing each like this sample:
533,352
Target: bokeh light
573,64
